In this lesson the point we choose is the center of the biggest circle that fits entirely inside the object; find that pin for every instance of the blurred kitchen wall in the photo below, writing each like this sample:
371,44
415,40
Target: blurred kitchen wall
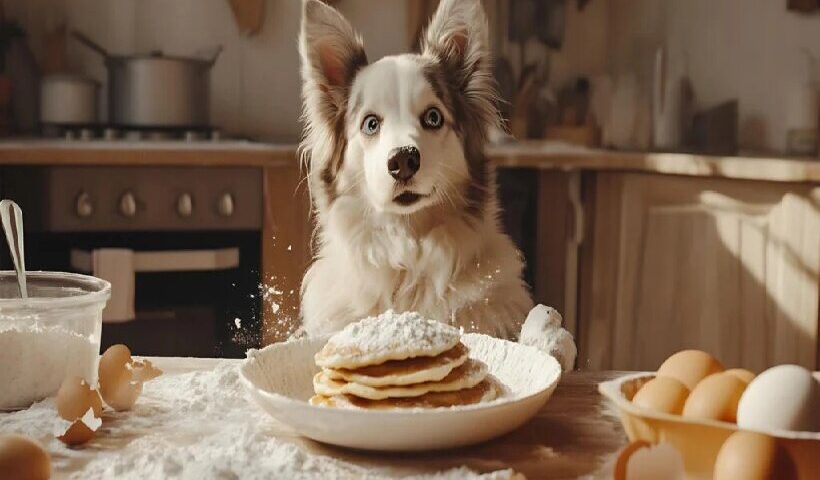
744,49
255,83
748,50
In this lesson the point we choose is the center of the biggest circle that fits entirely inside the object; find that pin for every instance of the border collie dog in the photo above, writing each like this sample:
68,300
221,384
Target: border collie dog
403,195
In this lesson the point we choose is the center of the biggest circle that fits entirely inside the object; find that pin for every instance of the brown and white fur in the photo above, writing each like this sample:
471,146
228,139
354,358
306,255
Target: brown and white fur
429,243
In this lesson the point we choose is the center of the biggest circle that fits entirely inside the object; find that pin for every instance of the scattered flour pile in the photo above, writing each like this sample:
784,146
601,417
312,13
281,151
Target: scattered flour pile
234,439
36,359
543,329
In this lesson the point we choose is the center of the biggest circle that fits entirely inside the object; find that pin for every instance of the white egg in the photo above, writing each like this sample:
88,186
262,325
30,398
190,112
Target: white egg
785,397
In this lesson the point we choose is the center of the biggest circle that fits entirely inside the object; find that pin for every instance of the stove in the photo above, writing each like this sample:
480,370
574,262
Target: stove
180,245
108,133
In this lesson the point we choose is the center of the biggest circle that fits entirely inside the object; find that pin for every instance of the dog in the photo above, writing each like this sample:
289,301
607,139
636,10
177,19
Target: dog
403,195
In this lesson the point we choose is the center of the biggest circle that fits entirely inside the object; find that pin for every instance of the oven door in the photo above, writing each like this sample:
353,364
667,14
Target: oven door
173,294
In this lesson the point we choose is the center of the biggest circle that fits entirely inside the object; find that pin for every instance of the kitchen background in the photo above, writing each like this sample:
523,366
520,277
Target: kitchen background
628,243
754,51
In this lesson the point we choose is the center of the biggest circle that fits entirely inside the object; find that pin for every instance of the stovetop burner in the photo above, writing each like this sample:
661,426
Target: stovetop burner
105,132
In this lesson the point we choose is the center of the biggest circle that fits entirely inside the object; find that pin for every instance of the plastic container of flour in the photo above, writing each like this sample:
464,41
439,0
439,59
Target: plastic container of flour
53,334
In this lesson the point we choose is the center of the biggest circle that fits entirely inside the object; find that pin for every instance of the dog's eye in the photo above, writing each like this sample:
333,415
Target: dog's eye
432,118
370,125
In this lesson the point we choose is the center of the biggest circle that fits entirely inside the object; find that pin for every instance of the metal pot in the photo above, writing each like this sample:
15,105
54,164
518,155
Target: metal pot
155,90
68,100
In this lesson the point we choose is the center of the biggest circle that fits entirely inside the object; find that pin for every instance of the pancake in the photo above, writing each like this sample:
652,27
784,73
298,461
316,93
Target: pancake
466,376
404,372
389,336
486,391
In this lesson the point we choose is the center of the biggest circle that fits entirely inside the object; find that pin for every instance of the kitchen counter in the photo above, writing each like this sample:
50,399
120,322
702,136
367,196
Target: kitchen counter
529,154
550,156
231,153
575,434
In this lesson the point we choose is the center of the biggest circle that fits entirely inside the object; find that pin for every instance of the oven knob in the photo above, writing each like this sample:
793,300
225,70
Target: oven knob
225,205
185,205
83,205
128,204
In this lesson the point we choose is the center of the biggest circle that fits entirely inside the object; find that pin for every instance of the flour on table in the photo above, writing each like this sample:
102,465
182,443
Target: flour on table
35,359
543,329
234,439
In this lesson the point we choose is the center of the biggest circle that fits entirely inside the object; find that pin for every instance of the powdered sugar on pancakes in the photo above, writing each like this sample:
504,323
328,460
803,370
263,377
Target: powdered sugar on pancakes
388,336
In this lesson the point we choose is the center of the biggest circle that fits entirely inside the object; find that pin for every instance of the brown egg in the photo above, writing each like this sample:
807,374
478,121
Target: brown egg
715,398
121,377
662,394
753,456
21,458
742,374
690,367
74,399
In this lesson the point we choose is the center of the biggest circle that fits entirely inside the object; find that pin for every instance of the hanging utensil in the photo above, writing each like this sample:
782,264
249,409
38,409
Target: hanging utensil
83,38
12,219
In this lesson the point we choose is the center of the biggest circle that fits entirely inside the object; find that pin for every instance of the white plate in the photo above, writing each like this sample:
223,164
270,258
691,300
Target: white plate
278,378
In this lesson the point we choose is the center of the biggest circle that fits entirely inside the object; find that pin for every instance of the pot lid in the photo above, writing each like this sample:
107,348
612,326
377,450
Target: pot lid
160,55
68,78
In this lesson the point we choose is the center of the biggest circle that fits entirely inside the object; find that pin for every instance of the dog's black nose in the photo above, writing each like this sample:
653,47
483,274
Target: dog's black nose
404,162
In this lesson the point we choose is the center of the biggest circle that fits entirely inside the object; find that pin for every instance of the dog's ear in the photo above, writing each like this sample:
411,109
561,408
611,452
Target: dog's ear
457,38
332,52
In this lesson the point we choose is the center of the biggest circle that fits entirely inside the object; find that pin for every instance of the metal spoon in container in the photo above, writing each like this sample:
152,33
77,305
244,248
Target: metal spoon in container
12,218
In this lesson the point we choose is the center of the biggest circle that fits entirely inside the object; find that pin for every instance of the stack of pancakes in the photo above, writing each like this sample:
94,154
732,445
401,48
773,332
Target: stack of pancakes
399,361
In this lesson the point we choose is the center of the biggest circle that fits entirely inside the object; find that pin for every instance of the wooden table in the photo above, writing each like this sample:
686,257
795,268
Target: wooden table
575,435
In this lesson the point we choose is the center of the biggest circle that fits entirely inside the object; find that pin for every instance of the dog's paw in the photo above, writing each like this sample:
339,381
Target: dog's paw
542,329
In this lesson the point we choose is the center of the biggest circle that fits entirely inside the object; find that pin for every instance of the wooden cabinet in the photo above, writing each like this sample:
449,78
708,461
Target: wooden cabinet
674,262
559,232
286,234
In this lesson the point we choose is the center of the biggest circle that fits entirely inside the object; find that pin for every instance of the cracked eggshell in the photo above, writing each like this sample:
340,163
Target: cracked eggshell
81,408
75,397
117,387
81,430
123,395
121,377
